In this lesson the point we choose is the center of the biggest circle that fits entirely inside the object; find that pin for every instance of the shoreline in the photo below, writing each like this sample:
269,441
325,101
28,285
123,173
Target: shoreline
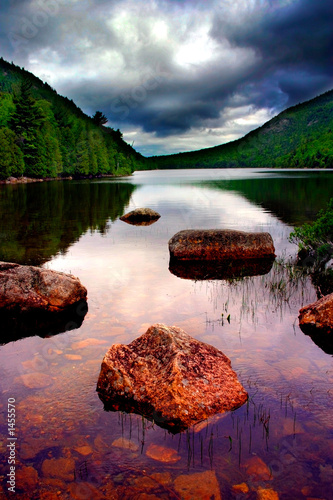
29,180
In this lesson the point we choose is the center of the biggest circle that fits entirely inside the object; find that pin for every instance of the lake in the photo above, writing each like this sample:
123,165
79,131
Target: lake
67,445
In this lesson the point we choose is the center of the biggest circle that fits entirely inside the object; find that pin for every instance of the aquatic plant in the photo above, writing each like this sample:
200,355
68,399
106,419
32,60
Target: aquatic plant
315,241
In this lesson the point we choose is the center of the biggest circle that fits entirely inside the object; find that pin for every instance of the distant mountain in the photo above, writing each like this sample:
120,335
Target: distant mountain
299,137
43,134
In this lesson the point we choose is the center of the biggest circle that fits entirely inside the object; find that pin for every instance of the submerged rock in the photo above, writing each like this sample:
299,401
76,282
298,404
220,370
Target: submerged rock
199,485
218,244
221,270
257,469
162,453
35,301
170,377
141,216
267,494
316,320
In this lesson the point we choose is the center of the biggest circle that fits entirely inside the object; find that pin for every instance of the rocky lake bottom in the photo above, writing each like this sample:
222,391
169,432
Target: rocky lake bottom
279,444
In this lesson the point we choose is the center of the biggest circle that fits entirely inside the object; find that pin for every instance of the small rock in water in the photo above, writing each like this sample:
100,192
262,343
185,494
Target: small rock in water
201,485
144,483
84,491
267,494
84,450
241,488
257,469
141,216
81,344
162,477
73,357
62,468
36,380
125,444
162,453
26,478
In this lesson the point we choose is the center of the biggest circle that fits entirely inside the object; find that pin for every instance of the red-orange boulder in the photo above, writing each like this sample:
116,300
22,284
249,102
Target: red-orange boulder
317,317
218,244
28,288
169,376
316,320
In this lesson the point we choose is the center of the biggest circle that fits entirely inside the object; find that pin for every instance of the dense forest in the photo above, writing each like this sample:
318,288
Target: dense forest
43,134
299,137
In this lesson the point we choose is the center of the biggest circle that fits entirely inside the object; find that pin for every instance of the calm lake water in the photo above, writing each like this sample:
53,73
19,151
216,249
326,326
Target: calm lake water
67,445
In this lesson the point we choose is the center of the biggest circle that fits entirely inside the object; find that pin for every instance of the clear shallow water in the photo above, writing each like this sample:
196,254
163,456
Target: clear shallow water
282,439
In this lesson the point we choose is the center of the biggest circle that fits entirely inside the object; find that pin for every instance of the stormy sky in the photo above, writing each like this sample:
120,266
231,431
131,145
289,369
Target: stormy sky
175,75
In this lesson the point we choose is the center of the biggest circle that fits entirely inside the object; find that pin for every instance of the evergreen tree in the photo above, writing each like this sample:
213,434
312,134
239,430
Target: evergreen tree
24,122
99,118
7,107
11,157
82,155
67,145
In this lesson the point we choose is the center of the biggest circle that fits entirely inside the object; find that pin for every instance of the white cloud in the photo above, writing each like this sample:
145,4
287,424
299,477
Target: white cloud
237,123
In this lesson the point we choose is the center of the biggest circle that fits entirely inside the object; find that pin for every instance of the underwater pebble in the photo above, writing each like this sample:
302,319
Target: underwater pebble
200,485
267,494
26,478
86,343
241,488
62,468
84,490
162,477
257,469
125,444
162,453
84,450
36,380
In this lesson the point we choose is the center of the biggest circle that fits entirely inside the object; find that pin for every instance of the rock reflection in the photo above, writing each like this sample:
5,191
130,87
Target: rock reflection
220,270
139,222
43,324
322,340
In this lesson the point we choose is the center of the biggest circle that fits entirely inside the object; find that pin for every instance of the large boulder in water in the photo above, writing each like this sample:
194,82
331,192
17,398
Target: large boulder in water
36,301
141,217
316,320
26,289
170,377
218,244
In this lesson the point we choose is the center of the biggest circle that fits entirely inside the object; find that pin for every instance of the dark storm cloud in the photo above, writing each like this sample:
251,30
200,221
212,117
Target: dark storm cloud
295,44
175,67
163,102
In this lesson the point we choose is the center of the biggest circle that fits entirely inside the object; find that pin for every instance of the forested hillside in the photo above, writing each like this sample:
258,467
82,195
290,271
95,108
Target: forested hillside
43,134
299,137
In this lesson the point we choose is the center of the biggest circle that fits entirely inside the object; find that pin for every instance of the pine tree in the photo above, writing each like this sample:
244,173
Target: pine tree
99,118
82,155
11,158
24,122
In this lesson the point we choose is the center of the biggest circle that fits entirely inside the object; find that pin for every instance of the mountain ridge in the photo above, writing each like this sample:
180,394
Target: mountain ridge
43,135
284,141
